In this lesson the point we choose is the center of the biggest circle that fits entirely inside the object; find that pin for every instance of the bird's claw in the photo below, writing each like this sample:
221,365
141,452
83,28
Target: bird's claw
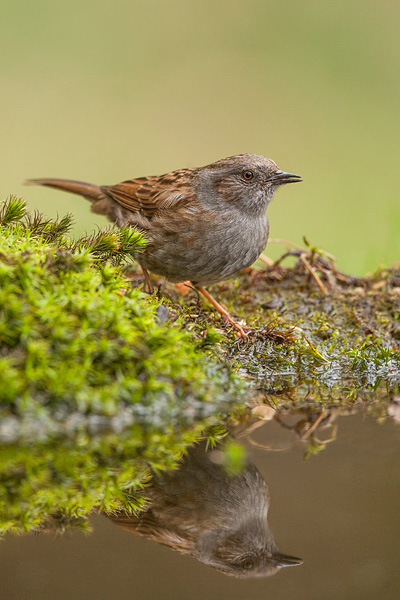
242,330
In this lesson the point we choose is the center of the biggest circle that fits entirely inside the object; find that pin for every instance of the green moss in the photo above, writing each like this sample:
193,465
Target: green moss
94,392
308,345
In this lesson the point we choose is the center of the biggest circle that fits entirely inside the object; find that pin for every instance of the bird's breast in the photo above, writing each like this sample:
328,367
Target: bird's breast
205,248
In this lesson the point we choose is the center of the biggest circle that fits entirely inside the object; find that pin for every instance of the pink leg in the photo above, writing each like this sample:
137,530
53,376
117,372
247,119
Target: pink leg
148,287
224,313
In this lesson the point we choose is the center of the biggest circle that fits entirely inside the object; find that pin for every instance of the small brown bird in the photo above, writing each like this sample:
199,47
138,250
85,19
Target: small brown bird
202,511
203,225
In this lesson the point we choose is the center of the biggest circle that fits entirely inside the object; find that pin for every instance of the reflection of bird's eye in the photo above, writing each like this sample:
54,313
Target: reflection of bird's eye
248,564
247,175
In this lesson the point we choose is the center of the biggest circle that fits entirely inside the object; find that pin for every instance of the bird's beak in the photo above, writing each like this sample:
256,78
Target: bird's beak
282,560
280,177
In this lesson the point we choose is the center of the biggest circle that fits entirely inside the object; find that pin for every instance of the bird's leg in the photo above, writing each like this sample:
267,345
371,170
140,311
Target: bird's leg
148,286
224,313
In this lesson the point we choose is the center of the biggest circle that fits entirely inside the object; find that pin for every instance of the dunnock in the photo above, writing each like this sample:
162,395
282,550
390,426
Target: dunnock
203,225
220,519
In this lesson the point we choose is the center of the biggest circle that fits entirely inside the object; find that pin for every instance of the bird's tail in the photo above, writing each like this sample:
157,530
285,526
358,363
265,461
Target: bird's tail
90,191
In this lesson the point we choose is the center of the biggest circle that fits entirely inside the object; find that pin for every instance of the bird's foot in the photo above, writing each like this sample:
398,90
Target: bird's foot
242,330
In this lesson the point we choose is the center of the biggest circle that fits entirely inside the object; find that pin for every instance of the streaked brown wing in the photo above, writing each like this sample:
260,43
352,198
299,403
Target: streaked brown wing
149,195
147,525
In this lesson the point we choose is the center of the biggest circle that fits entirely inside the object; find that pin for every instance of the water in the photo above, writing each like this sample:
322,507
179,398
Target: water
337,510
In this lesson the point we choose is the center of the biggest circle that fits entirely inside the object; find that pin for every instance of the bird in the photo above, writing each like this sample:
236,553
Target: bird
203,225
203,511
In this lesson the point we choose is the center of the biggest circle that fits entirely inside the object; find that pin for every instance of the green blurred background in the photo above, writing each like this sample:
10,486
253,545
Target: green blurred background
104,91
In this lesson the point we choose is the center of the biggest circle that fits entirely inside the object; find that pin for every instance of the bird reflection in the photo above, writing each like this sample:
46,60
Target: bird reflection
220,519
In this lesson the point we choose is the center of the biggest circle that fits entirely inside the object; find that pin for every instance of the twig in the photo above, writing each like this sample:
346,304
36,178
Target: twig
314,425
312,272
286,242
266,260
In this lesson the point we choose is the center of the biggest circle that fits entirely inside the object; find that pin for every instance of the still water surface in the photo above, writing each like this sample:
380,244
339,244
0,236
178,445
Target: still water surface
338,511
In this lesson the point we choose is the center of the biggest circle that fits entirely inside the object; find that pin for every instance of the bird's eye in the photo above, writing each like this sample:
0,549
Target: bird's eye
248,564
247,175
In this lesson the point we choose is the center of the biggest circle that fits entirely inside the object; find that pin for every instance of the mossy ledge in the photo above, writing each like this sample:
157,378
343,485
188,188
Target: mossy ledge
95,392
319,337
102,385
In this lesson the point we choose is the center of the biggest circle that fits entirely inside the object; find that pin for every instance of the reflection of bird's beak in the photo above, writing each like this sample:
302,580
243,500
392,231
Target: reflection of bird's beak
280,177
282,560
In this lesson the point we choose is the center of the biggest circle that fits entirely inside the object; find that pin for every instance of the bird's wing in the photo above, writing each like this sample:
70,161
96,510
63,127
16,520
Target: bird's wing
151,526
150,195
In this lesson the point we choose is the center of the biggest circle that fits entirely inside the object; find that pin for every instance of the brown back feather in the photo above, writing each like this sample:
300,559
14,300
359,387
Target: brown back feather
149,195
